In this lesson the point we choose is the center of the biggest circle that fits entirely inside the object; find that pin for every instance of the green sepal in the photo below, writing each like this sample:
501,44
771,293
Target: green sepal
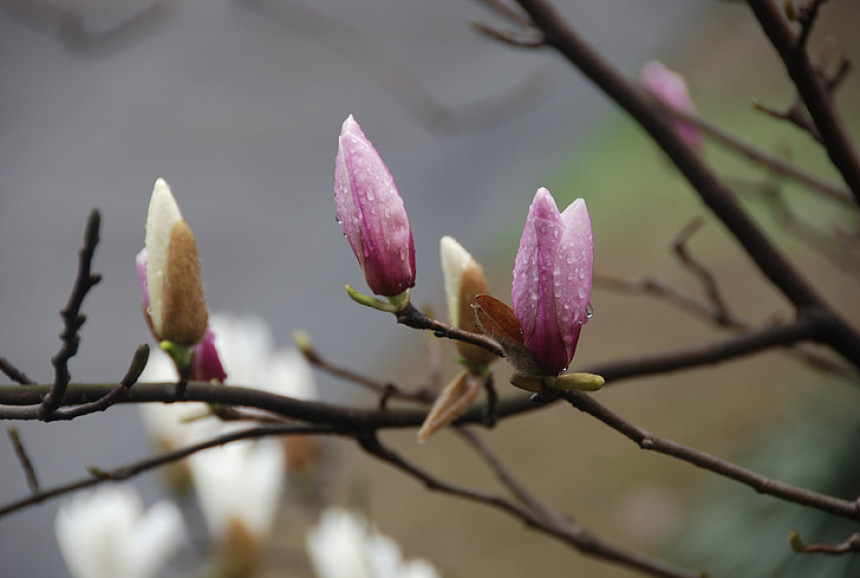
180,354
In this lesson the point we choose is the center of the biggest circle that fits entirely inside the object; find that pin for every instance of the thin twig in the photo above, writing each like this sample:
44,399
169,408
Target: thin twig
852,544
72,318
138,362
764,158
386,389
126,472
412,317
657,287
568,532
706,278
14,373
24,459
504,475
795,114
761,484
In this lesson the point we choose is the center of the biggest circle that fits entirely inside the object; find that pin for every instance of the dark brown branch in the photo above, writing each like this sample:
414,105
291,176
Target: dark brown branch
813,89
659,288
795,114
568,532
126,472
502,473
24,459
72,318
386,389
138,362
14,373
764,158
412,317
761,484
852,544
706,354
21,403
706,278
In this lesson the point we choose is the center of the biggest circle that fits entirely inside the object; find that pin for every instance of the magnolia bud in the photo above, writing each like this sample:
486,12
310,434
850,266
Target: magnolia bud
372,214
464,279
171,279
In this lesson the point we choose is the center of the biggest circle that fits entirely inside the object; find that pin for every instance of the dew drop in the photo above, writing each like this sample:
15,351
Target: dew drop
589,311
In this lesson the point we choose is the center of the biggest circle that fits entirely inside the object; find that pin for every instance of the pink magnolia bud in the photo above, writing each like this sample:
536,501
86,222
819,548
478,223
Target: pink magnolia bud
552,280
372,214
670,88
205,362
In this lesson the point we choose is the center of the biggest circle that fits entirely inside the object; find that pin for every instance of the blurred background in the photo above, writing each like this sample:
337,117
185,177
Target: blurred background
238,104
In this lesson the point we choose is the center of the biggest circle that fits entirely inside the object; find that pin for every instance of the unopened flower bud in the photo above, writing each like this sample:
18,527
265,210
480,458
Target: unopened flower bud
670,88
552,280
171,283
464,279
372,214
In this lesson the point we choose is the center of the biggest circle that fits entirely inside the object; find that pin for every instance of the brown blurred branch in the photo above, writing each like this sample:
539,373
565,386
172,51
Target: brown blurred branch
814,90
761,484
568,532
852,544
98,476
24,459
13,372
764,158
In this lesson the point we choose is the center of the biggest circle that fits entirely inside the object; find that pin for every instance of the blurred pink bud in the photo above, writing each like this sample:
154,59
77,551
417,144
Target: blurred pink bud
372,214
670,88
552,280
205,362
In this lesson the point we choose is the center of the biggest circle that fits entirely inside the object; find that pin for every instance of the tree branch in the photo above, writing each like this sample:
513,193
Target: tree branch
572,534
72,318
813,89
761,484
99,476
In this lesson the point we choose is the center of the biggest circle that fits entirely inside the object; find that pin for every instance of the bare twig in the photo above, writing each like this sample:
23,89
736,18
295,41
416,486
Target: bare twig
24,459
126,472
14,373
706,278
661,289
568,532
504,475
852,544
412,317
761,484
72,318
764,158
138,362
795,114
385,389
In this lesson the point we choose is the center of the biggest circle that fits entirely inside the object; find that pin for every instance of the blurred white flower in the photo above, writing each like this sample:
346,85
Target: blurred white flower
241,481
106,533
171,425
245,348
344,545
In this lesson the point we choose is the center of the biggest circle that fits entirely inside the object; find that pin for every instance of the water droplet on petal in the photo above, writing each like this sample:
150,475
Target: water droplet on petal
589,311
